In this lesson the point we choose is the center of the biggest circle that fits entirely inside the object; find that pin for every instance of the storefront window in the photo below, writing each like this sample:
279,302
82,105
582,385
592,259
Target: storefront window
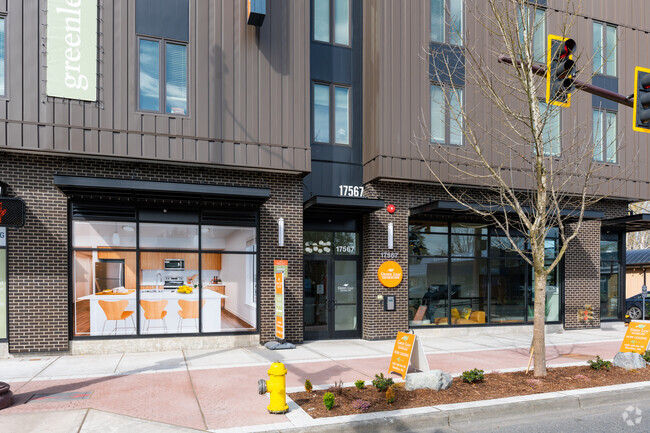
3,283
179,283
470,274
610,263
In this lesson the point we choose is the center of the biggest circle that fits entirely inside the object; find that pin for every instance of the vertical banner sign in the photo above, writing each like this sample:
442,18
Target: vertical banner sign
279,305
636,338
3,238
72,49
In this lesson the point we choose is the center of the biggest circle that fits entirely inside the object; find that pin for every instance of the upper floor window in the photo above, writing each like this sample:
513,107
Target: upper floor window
2,56
535,25
605,130
332,21
163,76
447,21
604,44
446,114
552,129
163,36
331,114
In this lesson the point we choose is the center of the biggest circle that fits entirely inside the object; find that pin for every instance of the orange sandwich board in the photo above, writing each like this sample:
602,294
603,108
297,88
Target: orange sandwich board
637,337
279,305
407,346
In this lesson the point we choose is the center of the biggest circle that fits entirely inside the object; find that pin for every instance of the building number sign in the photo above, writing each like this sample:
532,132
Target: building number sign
350,191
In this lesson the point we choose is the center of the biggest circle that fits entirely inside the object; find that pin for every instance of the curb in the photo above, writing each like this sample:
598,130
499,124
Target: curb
426,418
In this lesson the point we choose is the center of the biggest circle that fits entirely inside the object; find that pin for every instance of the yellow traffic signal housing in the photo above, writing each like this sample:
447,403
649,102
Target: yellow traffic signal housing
641,117
560,70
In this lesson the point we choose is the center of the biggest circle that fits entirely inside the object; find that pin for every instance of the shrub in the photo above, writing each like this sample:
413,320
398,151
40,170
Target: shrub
381,383
646,356
472,376
599,363
360,384
337,388
361,405
308,385
328,400
390,395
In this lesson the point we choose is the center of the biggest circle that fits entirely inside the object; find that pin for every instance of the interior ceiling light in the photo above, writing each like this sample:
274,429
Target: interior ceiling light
128,228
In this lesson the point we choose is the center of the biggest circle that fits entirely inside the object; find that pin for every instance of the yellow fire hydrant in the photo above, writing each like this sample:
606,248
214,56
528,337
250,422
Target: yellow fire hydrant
276,386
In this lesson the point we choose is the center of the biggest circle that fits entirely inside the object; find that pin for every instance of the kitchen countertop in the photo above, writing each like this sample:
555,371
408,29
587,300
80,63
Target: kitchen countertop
163,294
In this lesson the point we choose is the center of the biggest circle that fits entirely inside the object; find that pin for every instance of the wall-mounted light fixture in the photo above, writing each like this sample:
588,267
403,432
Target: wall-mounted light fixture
281,232
390,236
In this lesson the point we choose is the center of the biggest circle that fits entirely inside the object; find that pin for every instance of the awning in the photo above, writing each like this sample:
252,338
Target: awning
451,207
631,223
347,205
76,186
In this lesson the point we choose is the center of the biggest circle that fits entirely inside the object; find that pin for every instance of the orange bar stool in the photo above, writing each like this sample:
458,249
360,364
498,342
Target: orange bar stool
189,310
154,310
114,310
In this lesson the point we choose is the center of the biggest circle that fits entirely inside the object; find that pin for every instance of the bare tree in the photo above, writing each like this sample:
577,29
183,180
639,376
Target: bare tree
639,240
534,177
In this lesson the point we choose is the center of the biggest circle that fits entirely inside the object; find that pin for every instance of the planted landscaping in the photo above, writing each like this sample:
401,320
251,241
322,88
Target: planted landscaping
361,399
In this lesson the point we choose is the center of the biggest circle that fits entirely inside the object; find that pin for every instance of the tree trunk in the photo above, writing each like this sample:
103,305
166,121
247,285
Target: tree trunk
539,334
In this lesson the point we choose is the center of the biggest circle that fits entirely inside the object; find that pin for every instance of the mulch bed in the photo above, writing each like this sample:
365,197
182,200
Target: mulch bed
495,385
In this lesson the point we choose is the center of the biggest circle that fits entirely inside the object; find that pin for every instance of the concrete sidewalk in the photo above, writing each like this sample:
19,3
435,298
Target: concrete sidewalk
217,389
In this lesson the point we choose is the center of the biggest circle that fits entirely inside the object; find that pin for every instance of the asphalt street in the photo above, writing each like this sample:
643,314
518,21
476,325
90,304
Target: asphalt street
620,416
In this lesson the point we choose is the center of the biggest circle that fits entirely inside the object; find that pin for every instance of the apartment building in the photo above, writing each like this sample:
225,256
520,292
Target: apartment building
171,157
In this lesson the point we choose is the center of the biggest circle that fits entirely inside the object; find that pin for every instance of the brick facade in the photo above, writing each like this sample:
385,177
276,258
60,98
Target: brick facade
582,259
582,276
38,292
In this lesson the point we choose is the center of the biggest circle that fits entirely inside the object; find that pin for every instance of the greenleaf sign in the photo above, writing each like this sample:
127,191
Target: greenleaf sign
72,49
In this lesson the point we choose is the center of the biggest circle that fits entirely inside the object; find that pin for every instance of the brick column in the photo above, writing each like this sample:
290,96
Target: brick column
582,275
377,323
38,259
285,202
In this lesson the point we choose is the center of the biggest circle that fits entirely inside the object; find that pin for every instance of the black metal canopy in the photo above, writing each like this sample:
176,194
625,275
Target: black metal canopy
142,189
449,207
631,223
340,205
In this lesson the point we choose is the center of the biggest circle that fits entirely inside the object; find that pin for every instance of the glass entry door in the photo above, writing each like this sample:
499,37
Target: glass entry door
331,298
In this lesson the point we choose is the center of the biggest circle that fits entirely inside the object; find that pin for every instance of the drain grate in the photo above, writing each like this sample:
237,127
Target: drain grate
59,397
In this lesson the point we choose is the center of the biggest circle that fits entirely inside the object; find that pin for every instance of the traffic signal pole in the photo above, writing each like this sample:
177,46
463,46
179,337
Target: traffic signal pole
586,87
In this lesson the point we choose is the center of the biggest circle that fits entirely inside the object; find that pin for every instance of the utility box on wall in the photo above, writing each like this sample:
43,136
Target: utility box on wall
255,12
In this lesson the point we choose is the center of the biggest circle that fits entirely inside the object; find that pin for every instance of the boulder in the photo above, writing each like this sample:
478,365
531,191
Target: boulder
629,360
432,379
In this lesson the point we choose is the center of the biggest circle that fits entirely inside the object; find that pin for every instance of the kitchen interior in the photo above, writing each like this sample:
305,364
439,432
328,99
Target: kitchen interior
106,274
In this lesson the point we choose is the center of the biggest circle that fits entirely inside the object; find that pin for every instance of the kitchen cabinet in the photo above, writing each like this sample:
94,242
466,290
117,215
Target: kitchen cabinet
151,260
219,288
191,261
211,261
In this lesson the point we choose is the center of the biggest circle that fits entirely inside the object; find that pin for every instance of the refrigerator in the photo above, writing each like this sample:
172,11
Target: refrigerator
109,274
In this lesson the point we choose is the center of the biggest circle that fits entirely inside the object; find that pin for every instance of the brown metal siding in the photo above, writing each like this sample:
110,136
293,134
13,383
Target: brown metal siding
396,94
248,95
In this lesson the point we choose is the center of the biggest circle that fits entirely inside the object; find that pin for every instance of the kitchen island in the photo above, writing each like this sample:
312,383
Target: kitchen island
211,313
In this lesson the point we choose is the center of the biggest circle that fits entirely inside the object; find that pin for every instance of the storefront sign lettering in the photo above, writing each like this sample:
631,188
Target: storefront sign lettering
281,266
637,337
3,237
72,49
389,255
390,274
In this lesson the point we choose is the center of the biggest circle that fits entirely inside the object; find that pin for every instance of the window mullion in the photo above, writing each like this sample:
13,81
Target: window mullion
163,79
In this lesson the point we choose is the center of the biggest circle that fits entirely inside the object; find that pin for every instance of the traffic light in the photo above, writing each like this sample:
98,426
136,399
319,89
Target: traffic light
560,70
641,99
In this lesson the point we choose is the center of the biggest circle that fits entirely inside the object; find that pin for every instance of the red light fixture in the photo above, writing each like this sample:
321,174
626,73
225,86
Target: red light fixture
390,208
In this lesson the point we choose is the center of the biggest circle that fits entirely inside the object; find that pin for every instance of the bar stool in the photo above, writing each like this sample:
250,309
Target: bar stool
154,310
114,310
189,310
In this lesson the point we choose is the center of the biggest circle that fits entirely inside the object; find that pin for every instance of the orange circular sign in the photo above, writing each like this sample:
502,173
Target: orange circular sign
390,274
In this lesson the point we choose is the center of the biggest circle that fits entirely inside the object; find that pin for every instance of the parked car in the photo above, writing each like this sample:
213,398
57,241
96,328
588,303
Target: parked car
634,307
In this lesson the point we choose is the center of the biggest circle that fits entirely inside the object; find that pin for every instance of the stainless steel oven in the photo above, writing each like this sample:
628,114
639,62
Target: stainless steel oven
174,264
